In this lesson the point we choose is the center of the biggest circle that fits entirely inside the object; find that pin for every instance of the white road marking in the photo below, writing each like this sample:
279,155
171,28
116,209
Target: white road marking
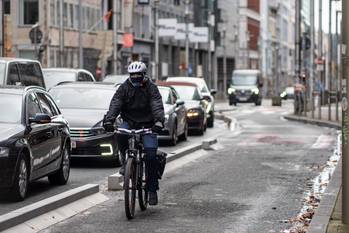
322,142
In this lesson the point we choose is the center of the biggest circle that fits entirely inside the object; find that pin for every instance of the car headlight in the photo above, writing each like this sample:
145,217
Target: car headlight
255,91
4,152
193,113
231,90
283,94
98,131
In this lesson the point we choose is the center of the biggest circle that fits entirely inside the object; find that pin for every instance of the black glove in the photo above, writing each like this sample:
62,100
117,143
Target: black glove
108,125
157,127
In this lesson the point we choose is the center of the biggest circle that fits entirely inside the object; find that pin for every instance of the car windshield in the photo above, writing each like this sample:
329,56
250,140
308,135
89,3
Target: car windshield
187,92
165,94
244,80
10,108
115,78
82,98
52,78
2,72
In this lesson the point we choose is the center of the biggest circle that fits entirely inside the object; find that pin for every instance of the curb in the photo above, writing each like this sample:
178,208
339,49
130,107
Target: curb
313,121
322,216
114,180
26,213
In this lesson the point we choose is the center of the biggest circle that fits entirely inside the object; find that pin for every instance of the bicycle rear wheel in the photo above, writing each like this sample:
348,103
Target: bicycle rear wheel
130,188
142,188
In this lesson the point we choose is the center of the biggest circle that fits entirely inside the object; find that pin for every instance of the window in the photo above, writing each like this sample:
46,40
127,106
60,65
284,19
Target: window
31,74
58,12
46,105
13,75
7,7
65,14
29,12
84,77
33,106
76,14
71,15
52,13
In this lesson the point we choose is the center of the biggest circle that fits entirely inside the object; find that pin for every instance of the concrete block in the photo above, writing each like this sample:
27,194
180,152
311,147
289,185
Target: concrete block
115,182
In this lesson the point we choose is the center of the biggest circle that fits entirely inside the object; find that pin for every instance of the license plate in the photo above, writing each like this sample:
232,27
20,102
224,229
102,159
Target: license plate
73,145
243,98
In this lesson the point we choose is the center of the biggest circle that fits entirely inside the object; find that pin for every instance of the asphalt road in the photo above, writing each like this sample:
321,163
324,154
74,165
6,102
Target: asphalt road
252,182
86,171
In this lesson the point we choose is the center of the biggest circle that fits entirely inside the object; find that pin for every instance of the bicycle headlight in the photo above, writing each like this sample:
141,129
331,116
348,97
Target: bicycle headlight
231,90
4,152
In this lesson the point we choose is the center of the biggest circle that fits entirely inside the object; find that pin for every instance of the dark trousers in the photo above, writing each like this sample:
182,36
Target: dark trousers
150,144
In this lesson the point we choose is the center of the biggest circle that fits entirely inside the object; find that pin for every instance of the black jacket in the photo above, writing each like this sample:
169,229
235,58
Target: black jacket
139,106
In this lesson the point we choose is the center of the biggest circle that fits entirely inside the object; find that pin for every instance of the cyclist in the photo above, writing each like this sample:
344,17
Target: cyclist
139,102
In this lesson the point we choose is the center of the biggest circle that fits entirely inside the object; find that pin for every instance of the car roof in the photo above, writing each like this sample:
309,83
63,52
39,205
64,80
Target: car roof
11,59
190,79
19,90
247,71
174,83
64,69
95,85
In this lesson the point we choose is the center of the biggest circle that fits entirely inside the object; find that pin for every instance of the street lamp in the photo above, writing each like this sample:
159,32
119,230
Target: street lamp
224,61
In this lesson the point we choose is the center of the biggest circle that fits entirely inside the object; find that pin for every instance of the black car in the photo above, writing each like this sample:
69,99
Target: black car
195,104
84,106
34,140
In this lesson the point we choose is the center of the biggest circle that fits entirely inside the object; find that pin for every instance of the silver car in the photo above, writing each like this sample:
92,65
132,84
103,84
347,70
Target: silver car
176,125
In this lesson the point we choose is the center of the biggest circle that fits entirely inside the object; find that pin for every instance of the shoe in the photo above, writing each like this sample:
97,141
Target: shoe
122,170
153,198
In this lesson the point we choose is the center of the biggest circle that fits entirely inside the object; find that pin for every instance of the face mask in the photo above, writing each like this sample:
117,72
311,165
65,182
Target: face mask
137,80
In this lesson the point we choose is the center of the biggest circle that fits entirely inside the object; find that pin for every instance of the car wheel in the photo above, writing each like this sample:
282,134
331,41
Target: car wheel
20,187
61,176
210,121
184,136
174,138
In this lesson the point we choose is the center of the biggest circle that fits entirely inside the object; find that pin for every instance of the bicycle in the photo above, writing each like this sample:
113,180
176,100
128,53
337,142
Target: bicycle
135,178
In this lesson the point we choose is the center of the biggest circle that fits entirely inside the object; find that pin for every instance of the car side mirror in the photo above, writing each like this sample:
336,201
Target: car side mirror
179,102
213,91
40,118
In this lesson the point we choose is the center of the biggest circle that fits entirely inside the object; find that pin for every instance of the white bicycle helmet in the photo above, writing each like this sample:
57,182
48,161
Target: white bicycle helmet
137,67
137,71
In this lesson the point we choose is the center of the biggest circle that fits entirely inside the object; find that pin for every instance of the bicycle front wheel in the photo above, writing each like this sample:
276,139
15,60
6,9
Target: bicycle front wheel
142,190
130,188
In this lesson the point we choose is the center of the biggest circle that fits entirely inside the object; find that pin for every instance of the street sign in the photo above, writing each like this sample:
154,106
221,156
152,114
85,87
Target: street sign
167,27
35,33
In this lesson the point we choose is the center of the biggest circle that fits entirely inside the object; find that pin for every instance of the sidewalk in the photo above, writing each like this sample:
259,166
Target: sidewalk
335,224
326,120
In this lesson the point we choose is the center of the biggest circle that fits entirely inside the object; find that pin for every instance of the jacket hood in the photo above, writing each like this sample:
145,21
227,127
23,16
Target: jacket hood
8,131
83,118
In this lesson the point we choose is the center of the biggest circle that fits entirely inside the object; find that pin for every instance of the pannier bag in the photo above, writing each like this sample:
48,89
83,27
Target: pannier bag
161,157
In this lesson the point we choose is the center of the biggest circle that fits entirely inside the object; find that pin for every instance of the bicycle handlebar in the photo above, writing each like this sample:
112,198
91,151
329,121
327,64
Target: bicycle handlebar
133,131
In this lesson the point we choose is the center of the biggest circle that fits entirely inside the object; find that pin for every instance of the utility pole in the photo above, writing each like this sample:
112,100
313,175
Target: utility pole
224,62
321,94
298,52
312,59
61,35
338,67
187,2
156,30
115,36
330,62
2,5
345,114
81,59
209,63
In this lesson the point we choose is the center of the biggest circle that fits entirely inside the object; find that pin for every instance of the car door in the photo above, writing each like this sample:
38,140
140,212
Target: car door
38,137
54,135
180,111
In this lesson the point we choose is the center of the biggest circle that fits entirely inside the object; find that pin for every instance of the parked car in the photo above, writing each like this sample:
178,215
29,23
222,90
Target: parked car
54,76
208,95
84,106
116,79
195,104
20,72
245,87
288,93
176,125
34,140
